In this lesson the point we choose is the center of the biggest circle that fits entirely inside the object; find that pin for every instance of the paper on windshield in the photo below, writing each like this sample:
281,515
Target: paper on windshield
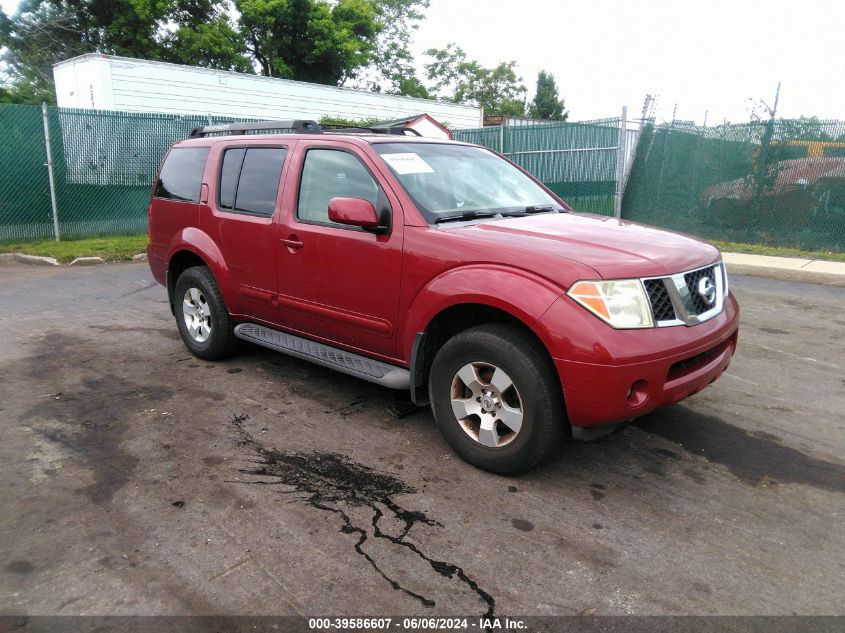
407,163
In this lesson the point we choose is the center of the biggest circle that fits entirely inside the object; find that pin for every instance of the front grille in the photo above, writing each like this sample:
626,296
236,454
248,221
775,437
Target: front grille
661,303
692,279
676,299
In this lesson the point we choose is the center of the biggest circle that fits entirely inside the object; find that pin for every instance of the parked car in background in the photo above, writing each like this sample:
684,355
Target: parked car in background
440,268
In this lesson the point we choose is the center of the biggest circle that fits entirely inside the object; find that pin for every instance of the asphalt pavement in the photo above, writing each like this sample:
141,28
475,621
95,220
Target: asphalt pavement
137,479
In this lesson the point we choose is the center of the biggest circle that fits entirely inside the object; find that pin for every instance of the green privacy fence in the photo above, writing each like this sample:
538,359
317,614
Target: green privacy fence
775,182
578,161
103,164
25,202
778,182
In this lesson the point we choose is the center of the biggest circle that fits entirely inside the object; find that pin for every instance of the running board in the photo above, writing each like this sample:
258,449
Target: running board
325,355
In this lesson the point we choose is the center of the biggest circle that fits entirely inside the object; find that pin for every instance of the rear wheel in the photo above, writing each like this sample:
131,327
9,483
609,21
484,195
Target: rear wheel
201,315
496,399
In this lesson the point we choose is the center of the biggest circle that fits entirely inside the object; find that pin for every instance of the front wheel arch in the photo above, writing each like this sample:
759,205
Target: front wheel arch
453,320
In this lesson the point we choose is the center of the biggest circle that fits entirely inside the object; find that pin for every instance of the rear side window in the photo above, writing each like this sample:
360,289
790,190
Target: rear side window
181,175
249,179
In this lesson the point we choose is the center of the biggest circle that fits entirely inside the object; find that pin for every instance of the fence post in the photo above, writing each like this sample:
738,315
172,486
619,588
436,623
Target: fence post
620,164
56,233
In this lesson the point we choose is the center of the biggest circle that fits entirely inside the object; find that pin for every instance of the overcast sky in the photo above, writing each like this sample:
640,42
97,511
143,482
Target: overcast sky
707,56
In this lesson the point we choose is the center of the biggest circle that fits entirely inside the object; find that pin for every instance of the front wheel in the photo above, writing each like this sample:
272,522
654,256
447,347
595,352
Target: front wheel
201,315
496,399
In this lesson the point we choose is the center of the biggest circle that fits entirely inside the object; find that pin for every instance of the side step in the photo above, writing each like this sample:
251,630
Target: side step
325,355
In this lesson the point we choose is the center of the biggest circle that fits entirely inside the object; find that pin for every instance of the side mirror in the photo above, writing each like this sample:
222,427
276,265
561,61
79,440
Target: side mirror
354,212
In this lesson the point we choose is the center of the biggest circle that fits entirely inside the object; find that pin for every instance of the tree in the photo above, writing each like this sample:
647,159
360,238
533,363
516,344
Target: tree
547,104
393,61
804,128
205,37
123,27
344,122
323,41
214,44
44,32
501,91
498,90
40,34
309,40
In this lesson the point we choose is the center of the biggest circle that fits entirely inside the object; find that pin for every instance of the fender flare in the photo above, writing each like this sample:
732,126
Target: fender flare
199,243
523,295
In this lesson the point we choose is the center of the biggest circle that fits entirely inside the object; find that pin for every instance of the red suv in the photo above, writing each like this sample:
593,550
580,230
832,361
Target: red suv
441,268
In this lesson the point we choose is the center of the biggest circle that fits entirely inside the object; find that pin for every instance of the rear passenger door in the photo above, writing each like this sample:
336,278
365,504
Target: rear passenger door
336,282
244,204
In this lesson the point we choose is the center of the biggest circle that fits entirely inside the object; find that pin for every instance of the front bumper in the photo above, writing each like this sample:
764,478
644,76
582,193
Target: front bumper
641,370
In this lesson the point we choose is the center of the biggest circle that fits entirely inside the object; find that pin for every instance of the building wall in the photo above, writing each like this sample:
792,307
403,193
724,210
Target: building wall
116,83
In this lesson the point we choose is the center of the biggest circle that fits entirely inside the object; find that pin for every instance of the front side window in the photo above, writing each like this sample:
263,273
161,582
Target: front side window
445,179
181,175
328,174
249,179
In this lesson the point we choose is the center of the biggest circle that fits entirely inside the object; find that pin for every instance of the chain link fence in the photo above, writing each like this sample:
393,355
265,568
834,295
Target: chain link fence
104,164
775,182
580,162
25,211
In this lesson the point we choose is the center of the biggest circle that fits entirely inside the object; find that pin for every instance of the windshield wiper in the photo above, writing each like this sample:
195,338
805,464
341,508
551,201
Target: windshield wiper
499,213
467,215
534,208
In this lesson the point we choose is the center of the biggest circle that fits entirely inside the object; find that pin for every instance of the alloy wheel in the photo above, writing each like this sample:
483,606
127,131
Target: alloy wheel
197,315
486,404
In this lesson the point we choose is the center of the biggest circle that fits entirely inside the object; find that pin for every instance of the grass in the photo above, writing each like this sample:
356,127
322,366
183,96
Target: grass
112,249
778,251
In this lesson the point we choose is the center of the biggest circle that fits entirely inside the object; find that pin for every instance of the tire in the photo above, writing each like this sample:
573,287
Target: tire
197,300
486,437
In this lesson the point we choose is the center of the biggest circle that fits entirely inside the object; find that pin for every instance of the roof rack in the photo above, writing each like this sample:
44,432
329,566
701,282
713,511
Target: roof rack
397,131
302,126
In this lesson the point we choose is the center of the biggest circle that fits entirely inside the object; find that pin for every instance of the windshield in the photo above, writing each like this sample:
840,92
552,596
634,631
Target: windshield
460,182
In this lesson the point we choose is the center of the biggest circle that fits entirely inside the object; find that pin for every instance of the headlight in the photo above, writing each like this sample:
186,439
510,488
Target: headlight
622,304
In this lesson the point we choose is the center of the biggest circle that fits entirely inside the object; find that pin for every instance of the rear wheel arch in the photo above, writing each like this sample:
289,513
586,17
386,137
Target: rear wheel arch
194,247
178,263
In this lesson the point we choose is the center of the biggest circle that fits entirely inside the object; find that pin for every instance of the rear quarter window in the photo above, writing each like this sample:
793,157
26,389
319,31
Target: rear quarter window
181,175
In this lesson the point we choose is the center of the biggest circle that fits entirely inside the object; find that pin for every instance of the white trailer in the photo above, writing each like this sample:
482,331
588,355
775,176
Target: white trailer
106,82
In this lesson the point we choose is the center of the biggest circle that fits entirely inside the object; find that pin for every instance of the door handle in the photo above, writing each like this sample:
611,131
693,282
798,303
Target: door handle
293,242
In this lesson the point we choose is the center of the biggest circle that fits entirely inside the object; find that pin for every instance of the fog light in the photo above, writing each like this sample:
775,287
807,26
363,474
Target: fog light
638,392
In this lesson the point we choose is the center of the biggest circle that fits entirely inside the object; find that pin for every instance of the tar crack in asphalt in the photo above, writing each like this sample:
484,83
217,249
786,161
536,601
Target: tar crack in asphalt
330,480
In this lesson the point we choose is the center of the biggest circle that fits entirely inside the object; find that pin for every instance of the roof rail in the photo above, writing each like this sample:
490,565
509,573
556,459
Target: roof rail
301,126
398,131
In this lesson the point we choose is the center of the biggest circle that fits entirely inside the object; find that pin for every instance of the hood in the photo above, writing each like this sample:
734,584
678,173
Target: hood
613,248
